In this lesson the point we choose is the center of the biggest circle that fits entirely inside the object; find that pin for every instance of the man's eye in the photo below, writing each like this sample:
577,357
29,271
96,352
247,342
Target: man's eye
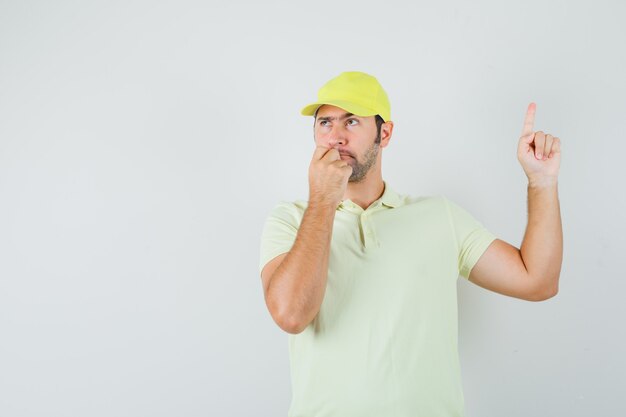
322,122
353,120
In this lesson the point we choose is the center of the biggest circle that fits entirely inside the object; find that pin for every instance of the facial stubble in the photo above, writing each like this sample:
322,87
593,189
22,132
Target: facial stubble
360,169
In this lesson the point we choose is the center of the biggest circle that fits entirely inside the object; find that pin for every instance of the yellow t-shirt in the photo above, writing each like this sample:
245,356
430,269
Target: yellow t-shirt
384,342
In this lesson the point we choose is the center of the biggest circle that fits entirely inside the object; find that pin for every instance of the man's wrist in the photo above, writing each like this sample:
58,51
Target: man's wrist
325,206
543,182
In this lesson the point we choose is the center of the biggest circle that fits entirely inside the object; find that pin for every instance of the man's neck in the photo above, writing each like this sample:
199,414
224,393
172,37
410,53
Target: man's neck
365,192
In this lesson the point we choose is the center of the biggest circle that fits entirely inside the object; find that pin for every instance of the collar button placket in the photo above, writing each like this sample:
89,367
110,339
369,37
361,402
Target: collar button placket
366,230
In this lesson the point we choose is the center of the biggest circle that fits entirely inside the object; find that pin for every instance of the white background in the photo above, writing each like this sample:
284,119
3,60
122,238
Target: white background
143,143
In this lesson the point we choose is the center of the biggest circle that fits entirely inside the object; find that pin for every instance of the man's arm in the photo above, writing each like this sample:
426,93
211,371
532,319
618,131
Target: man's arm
532,272
294,291
542,247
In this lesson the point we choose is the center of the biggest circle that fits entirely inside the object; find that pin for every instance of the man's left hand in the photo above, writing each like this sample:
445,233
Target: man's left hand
538,152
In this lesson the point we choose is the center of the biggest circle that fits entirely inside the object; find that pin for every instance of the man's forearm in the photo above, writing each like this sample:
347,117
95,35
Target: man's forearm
542,246
298,285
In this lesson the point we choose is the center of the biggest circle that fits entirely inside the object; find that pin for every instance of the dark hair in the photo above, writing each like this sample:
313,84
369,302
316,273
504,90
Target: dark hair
379,123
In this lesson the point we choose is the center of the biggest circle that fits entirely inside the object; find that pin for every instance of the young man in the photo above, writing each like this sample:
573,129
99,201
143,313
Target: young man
364,279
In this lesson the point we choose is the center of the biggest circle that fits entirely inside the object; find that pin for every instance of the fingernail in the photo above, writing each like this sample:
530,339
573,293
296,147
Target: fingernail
538,156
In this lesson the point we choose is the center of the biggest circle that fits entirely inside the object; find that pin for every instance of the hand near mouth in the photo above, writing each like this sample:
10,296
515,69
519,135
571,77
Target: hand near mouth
328,176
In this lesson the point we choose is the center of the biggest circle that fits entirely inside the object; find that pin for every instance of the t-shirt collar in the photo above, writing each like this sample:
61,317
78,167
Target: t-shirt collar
389,198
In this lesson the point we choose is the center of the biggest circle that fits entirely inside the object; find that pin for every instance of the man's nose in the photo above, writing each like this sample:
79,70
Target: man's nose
336,137
334,142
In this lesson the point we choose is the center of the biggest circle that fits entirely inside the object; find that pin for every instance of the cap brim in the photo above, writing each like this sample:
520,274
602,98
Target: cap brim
309,110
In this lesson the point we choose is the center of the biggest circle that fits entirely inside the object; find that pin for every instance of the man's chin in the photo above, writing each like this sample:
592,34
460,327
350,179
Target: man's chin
355,179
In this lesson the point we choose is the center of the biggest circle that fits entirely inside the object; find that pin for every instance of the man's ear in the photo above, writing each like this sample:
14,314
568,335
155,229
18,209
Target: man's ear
386,129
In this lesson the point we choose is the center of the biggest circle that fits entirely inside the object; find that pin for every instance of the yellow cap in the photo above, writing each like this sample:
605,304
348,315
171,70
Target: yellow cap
354,91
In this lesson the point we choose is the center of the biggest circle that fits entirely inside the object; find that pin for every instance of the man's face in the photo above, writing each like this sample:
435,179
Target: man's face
355,137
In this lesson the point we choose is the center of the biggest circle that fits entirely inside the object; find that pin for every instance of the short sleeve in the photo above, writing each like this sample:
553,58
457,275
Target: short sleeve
472,238
279,232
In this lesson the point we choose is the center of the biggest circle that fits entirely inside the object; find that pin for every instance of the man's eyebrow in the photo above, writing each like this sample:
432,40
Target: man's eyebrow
334,118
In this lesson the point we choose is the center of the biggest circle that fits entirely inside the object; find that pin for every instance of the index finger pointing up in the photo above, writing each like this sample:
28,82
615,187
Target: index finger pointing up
529,121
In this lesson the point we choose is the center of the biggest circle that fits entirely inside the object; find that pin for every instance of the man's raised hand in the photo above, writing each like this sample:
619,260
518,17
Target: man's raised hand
328,177
538,153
